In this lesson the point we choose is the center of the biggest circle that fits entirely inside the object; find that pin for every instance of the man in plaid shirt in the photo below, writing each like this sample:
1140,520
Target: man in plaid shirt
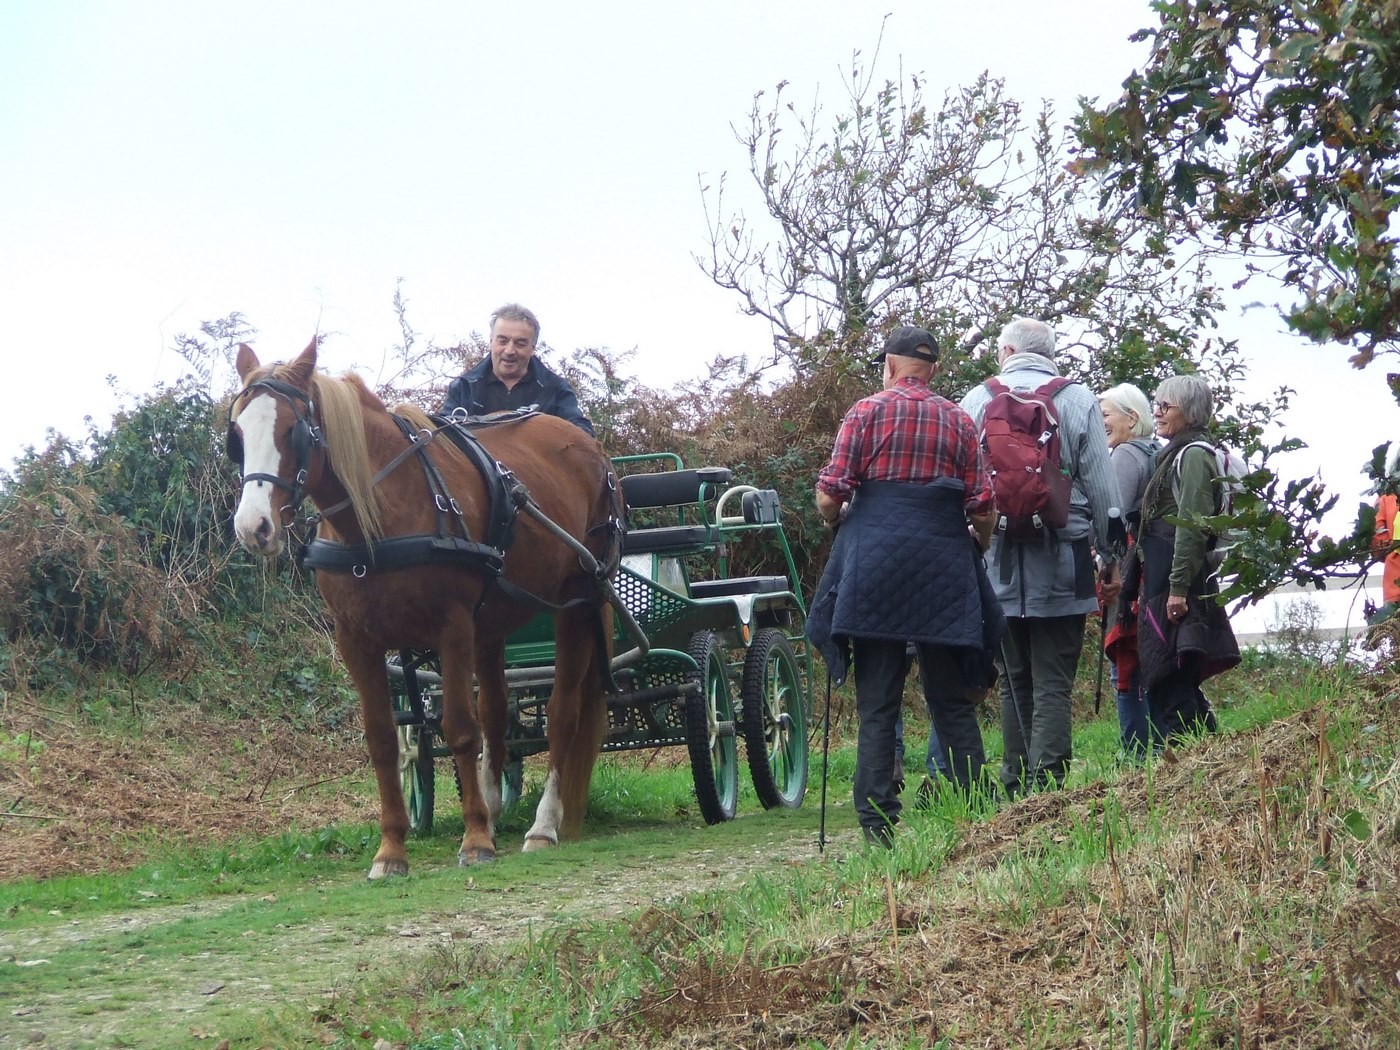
906,482
908,433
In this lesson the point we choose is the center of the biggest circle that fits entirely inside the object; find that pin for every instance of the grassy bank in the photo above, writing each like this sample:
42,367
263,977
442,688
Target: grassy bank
1242,892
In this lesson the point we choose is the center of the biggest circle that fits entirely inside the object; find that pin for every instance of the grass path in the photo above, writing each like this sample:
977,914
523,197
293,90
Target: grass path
167,973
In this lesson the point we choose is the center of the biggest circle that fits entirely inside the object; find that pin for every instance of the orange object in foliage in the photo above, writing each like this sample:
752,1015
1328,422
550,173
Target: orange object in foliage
1385,538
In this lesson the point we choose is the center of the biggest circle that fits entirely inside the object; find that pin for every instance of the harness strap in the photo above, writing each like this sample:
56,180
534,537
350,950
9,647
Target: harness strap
414,447
500,482
443,501
401,552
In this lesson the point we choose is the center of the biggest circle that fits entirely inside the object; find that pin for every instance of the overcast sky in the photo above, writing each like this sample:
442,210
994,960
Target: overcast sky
166,163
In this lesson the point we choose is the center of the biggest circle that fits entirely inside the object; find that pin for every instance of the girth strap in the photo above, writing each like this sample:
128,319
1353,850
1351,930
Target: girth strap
401,552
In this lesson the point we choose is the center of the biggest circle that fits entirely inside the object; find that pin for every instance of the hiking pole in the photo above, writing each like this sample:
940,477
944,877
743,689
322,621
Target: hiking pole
826,745
1103,631
1117,548
1025,737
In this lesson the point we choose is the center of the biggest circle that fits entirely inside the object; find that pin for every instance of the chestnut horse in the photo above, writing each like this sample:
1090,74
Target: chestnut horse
300,433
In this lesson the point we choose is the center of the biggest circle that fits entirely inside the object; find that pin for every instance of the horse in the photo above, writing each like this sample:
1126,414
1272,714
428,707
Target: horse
411,512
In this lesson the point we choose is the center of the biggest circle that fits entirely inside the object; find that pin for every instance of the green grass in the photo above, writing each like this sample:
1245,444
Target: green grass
1183,899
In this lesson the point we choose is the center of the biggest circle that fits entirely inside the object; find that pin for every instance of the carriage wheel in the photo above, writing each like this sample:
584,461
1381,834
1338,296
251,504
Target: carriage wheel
512,781
416,771
775,721
709,732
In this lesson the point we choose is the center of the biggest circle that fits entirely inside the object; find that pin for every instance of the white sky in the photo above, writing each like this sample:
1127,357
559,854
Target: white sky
165,163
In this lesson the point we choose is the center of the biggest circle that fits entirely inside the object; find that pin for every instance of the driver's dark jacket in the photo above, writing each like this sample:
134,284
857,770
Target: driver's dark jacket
478,392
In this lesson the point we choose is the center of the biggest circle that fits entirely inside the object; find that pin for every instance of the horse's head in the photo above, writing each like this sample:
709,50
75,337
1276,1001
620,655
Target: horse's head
273,436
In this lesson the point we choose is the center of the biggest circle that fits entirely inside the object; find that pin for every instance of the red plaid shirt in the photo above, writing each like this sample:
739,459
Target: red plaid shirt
907,433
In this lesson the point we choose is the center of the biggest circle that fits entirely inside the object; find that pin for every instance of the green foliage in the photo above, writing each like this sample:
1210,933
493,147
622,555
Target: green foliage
115,550
1270,130
161,468
1276,125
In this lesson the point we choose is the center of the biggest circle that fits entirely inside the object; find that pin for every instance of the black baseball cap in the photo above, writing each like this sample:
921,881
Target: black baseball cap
908,341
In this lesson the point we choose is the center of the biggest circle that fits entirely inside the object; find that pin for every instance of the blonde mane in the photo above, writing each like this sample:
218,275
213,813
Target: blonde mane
414,415
340,401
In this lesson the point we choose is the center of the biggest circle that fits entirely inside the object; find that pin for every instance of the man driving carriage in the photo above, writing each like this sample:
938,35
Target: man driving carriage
512,377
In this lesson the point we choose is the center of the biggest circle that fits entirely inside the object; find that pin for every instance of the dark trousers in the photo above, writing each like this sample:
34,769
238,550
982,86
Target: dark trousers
1040,657
880,668
1178,706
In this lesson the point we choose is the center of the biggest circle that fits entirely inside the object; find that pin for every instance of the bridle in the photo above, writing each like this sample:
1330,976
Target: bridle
306,438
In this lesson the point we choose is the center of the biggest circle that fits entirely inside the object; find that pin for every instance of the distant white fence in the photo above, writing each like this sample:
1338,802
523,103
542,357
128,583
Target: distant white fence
1339,610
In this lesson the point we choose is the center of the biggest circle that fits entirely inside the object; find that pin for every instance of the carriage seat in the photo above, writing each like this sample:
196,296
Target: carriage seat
739,585
668,488
673,539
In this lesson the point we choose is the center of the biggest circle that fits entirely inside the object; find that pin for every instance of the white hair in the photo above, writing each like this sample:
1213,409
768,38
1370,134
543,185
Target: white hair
1131,401
1026,335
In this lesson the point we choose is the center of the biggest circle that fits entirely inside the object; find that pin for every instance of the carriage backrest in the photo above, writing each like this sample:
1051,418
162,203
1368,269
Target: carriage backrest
672,488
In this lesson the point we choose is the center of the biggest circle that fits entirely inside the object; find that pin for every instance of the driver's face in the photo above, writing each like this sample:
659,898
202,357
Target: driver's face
512,346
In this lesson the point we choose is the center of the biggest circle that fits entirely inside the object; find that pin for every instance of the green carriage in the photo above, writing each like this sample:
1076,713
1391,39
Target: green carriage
703,657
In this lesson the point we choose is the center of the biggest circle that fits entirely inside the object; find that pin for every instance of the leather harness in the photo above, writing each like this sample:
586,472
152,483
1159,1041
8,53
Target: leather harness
506,496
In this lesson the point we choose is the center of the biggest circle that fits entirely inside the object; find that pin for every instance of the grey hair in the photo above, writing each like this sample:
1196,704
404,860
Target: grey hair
1131,401
1192,395
1026,335
516,312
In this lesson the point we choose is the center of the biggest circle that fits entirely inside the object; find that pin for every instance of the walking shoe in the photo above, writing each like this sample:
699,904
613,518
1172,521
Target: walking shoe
927,790
881,835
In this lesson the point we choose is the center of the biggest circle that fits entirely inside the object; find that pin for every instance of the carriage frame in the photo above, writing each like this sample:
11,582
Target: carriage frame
703,658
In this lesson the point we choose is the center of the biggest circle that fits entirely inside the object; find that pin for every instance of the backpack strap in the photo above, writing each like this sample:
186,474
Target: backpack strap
1176,465
1045,393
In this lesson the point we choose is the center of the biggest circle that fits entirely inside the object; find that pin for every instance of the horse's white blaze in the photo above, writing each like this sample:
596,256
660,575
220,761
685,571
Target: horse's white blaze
257,518
490,791
550,813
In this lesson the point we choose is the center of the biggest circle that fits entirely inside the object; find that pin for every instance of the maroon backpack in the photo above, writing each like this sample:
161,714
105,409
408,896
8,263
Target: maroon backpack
1021,447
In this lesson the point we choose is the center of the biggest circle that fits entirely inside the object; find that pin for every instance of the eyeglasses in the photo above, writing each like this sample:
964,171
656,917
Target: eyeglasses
1161,408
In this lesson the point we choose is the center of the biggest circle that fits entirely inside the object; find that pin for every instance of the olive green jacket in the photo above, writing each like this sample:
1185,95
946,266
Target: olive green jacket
1192,492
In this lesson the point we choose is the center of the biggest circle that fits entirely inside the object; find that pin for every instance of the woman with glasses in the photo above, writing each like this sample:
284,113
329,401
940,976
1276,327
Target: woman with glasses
1184,636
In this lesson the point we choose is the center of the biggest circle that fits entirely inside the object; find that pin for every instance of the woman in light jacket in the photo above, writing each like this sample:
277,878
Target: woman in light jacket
1127,420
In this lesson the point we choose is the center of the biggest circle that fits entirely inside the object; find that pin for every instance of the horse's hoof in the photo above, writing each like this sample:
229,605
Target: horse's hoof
475,855
538,842
384,869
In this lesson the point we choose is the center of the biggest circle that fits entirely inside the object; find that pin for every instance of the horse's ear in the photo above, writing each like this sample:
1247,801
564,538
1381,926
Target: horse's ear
304,366
246,361
307,358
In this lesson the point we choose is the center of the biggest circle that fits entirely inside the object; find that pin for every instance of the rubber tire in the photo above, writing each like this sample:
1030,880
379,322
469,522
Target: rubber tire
714,759
774,721
512,781
416,769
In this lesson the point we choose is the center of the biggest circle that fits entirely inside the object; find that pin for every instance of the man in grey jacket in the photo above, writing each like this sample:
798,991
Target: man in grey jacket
1046,586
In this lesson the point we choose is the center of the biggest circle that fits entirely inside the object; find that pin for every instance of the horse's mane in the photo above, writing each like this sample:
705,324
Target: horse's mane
414,415
342,400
